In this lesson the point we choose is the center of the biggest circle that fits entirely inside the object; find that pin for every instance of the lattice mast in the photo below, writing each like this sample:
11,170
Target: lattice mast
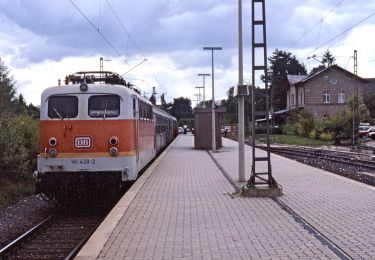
260,64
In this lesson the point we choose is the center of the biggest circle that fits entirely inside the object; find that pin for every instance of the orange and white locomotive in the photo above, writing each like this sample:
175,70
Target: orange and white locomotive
97,134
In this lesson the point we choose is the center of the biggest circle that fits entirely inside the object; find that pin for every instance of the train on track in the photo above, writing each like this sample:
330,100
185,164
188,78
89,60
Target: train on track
97,132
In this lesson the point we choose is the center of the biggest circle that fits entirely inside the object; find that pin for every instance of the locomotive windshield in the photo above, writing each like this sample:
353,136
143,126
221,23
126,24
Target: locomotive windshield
62,107
104,106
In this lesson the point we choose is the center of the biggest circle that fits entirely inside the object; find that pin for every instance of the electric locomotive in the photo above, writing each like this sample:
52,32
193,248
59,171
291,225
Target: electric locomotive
96,134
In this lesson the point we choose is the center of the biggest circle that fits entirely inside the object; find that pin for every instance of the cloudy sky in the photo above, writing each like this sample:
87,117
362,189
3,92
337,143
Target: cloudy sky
42,41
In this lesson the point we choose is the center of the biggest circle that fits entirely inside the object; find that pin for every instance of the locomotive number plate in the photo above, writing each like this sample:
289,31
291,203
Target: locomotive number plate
83,161
82,142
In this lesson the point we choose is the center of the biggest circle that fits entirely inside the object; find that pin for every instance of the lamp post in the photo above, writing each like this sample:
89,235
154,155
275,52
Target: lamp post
199,90
212,49
204,87
198,98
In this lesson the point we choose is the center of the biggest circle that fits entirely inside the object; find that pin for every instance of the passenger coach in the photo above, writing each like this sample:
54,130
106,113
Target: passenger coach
97,132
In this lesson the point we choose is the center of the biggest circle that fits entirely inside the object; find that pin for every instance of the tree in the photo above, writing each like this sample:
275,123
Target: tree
20,107
7,90
181,108
164,105
33,111
231,105
328,59
369,101
317,69
282,63
361,111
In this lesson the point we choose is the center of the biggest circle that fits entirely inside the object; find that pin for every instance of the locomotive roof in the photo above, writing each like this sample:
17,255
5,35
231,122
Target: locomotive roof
101,77
103,82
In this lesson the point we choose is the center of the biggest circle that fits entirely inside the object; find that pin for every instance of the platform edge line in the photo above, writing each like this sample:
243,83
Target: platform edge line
97,241
323,239
226,174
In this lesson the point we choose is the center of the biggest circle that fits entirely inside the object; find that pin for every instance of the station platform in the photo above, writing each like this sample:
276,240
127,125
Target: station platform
186,206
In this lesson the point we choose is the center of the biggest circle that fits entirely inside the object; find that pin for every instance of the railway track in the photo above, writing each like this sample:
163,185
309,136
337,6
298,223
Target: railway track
354,165
57,237
349,158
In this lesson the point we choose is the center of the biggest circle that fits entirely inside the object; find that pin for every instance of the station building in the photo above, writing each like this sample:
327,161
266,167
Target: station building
325,93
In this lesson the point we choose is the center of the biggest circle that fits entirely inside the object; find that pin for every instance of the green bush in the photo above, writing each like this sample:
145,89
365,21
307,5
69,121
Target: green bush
313,134
290,128
19,143
305,123
326,136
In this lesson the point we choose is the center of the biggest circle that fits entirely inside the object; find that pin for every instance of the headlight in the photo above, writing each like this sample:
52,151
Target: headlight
113,151
52,152
52,141
83,87
113,140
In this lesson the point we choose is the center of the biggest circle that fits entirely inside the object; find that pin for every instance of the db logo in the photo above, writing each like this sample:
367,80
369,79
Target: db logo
82,142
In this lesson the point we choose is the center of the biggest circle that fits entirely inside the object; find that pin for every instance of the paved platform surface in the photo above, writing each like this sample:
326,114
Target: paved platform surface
182,208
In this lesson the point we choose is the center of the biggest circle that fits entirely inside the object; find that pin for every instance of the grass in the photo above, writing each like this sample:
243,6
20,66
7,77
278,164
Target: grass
296,140
11,191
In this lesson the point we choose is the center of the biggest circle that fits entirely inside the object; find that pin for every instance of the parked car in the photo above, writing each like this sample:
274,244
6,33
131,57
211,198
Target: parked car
371,133
364,130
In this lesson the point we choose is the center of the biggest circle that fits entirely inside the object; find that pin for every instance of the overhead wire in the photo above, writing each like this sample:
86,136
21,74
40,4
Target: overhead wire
347,64
133,41
340,34
316,24
99,13
100,33
124,28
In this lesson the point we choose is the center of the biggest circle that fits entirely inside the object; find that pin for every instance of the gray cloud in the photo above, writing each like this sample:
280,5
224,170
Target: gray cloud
56,28
39,31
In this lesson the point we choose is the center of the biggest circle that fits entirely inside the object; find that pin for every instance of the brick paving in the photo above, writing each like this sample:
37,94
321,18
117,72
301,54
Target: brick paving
342,209
184,211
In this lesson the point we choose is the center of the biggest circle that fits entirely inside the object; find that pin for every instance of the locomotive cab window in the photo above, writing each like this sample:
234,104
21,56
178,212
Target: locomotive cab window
104,106
62,107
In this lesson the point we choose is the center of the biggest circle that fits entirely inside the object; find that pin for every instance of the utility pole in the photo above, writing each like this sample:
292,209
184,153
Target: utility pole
355,98
241,93
199,91
212,49
204,87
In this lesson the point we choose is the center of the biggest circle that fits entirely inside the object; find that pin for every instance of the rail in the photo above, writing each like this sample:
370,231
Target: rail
18,240
350,165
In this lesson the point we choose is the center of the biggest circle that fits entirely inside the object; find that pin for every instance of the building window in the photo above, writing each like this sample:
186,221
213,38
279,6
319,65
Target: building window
292,103
326,97
341,98
301,100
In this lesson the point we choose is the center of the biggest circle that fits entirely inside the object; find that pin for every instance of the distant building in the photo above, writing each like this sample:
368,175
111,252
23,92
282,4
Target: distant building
325,92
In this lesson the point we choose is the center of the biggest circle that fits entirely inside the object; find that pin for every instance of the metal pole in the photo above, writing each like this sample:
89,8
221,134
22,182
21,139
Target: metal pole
213,96
204,94
199,89
241,102
101,67
204,88
355,98
213,105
